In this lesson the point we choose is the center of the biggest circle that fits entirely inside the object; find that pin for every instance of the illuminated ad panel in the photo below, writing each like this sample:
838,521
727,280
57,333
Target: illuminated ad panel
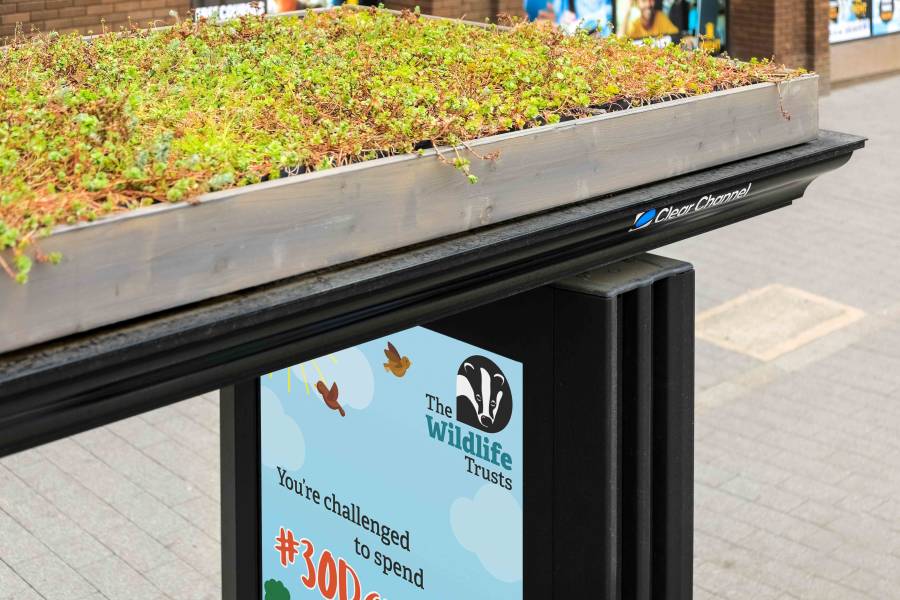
393,470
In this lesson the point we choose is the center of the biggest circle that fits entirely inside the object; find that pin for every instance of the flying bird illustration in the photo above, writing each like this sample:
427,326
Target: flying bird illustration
330,396
395,364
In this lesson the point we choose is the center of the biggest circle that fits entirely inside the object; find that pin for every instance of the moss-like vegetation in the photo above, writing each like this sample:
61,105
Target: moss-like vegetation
93,126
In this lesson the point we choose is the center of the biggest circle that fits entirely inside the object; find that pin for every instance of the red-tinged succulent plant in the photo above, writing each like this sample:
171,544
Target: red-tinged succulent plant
92,126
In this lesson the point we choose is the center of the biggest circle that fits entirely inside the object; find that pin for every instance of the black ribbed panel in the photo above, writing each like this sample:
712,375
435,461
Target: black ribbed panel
623,503
587,431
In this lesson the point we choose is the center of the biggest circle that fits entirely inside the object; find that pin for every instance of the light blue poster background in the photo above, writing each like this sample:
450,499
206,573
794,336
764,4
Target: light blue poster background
465,532
881,27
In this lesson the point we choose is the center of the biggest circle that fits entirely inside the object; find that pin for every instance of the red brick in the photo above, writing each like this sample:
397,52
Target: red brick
162,13
43,15
15,18
140,15
73,11
31,5
791,32
72,23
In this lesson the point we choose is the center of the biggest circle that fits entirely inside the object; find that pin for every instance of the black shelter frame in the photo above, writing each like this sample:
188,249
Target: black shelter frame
73,384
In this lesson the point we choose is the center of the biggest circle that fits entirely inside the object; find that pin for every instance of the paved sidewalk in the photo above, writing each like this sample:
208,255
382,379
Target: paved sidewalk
798,456
129,511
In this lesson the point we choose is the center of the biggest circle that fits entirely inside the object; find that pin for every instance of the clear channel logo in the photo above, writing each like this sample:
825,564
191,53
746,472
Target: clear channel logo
654,216
644,219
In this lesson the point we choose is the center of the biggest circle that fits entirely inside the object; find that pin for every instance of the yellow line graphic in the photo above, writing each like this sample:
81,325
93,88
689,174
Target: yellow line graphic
319,371
305,380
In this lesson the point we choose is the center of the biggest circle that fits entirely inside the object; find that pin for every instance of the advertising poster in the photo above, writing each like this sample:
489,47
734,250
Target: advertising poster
850,20
702,21
594,16
886,18
393,470
225,11
638,19
274,7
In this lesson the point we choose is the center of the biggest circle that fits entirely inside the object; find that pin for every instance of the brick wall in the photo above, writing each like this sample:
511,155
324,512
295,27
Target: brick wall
83,15
819,48
794,32
750,31
86,15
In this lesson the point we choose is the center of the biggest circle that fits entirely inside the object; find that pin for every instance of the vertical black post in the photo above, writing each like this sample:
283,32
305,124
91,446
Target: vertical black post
623,470
587,464
638,473
240,460
673,398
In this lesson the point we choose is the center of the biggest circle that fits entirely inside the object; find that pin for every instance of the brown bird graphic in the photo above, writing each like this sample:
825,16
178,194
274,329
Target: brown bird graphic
395,364
330,396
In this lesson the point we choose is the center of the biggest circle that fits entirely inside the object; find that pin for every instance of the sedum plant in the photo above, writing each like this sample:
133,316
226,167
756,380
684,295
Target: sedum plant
92,126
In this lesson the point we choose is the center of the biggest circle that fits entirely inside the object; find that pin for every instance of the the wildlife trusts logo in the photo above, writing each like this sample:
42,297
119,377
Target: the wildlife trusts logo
484,402
483,397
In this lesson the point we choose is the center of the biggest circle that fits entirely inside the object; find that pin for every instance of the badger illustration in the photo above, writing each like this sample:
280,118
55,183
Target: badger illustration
482,386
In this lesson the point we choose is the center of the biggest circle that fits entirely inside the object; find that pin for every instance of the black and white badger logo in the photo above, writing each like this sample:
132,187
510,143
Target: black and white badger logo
483,399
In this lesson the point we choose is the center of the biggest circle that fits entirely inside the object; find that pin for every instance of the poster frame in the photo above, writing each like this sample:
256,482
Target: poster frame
240,428
871,35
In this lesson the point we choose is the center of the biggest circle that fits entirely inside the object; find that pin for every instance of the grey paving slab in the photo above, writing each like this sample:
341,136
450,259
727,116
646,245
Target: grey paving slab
116,579
53,579
17,544
179,580
13,587
196,548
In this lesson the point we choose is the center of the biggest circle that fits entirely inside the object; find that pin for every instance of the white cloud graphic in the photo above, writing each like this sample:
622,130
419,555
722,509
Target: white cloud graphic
282,443
349,368
490,526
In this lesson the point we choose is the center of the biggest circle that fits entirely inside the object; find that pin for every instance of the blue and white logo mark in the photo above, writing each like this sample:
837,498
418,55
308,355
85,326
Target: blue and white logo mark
643,219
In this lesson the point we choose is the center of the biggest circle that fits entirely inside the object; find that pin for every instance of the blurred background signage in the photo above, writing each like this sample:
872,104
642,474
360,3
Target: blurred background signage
861,19
225,9
887,17
694,23
850,20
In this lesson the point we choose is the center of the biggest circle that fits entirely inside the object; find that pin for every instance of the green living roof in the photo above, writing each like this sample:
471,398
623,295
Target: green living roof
92,126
